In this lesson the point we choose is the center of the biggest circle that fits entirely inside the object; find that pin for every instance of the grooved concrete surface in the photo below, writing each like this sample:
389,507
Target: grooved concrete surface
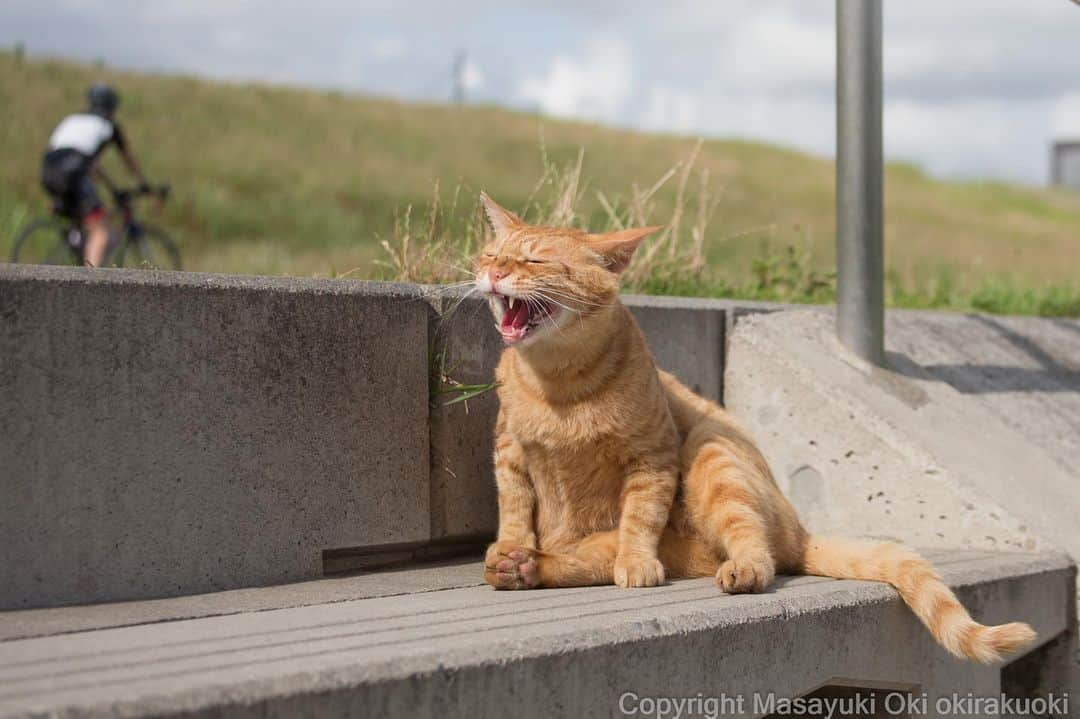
27,623
474,652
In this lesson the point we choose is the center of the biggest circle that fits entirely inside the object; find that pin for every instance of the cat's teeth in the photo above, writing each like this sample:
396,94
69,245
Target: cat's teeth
511,301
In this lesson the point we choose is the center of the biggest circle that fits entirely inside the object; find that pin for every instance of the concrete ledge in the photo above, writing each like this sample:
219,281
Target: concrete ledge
475,652
927,451
464,340
686,337
49,621
170,433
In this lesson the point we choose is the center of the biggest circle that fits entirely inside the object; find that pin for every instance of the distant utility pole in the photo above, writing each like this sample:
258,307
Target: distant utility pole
860,267
461,62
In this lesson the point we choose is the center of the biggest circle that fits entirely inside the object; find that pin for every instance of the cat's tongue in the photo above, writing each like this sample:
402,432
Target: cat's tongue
515,322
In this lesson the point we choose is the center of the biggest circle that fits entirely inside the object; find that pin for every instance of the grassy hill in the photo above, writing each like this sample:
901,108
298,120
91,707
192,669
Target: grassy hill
273,180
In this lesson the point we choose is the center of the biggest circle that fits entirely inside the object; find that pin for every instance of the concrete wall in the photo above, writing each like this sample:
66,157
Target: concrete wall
170,433
165,434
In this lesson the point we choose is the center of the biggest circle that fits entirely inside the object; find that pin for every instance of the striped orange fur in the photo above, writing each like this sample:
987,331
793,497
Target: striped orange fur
611,471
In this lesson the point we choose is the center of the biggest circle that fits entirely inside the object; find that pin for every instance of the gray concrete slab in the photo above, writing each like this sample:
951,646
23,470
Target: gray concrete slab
26,623
573,652
686,337
1024,371
902,451
171,433
467,344
412,579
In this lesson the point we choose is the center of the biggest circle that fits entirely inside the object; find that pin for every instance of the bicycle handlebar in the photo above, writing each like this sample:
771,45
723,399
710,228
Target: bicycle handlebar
125,195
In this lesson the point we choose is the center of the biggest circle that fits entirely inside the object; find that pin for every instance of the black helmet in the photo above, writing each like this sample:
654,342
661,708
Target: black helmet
103,98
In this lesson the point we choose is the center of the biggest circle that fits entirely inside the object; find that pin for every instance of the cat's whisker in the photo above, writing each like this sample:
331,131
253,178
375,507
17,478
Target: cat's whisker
554,297
580,314
557,303
454,308
585,308
565,294
543,310
447,288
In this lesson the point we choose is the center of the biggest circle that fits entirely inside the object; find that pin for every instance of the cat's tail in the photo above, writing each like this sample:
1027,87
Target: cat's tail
921,587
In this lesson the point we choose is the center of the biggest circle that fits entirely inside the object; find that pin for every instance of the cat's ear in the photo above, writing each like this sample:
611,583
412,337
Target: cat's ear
618,247
500,218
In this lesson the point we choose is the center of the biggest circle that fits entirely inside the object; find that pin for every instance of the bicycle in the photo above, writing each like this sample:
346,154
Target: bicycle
60,240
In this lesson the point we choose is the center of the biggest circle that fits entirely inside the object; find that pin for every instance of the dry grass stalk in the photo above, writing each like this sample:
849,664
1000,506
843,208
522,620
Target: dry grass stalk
434,254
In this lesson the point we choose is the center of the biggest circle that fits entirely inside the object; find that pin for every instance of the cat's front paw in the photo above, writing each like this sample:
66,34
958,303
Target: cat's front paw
638,571
511,566
746,574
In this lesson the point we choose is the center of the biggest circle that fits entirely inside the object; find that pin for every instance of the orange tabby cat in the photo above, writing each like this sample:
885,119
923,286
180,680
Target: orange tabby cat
611,471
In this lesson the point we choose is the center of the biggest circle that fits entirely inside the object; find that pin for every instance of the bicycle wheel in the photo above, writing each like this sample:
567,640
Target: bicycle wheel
149,248
44,242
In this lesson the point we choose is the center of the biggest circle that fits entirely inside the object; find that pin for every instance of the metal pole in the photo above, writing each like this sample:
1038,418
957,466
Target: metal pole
859,243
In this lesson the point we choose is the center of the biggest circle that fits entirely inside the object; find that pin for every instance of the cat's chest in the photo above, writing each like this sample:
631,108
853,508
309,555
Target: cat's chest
578,485
563,427
568,447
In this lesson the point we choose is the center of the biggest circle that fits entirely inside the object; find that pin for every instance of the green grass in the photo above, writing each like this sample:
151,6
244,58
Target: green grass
274,180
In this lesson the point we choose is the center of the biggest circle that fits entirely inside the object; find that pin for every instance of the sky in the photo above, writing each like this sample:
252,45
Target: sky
973,88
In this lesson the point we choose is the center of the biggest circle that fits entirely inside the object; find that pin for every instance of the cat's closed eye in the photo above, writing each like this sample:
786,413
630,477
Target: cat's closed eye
533,261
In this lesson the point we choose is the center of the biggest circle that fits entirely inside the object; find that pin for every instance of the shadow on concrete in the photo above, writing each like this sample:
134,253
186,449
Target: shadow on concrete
1066,324
1049,376
985,379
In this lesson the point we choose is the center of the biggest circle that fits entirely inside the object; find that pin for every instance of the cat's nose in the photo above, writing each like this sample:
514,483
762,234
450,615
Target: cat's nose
496,274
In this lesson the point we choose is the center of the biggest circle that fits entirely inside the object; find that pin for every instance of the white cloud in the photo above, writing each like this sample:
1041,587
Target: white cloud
594,85
771,49
965,138
389,47
793,120
234,40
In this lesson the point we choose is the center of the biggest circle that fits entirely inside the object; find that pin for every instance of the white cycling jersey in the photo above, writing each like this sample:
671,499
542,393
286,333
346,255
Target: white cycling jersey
86,133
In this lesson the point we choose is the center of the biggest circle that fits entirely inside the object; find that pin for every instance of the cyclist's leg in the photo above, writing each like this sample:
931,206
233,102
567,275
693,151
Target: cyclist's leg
92,213
97,238
57,184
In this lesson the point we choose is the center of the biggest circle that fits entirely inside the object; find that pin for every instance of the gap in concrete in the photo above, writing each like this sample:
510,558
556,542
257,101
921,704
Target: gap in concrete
348,560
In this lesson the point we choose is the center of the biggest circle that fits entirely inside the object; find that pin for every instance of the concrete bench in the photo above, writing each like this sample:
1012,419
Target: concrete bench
251,432
245,431
433,642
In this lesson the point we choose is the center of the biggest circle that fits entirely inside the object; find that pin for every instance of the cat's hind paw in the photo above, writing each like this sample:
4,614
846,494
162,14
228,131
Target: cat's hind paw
510,566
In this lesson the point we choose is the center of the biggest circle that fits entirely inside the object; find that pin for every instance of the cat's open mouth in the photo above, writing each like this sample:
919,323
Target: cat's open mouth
520,316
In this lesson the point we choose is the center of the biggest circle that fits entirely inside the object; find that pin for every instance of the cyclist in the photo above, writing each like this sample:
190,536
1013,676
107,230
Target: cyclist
71,160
